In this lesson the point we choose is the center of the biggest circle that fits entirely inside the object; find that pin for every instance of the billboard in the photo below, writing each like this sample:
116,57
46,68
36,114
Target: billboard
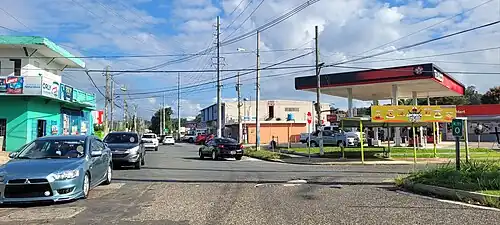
17,85
413,114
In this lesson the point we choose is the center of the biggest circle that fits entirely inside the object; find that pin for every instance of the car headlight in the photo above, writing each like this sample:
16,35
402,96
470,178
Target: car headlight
64,175
133,150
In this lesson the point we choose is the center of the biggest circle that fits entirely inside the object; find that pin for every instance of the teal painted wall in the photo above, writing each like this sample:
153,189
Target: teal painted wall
14,109
49,111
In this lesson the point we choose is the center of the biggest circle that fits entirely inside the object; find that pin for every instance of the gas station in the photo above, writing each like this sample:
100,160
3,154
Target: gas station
395,83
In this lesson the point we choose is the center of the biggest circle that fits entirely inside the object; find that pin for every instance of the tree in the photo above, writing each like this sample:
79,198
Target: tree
157,117
492,96
174,123
197,120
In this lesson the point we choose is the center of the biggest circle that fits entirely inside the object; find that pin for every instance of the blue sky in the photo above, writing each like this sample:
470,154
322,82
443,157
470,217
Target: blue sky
145,27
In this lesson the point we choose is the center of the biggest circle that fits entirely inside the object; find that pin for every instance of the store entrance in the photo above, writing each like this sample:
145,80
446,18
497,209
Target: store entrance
41,128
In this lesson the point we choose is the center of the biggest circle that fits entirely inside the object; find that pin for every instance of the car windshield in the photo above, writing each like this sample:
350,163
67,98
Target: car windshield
148,136
115,138
42,149
225,141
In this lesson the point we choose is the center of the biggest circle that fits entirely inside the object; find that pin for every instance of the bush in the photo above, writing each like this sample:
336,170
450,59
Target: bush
263,154
473,176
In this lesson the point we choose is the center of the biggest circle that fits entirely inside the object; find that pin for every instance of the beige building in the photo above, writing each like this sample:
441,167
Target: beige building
282,119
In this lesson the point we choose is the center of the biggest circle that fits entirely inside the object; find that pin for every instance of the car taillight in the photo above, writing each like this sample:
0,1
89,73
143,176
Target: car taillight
241,146
221,146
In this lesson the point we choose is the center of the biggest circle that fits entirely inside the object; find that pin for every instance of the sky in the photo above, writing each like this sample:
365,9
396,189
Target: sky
177,29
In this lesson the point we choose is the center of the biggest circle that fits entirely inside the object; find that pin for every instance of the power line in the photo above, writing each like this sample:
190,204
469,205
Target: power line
246,19
418,43
236,18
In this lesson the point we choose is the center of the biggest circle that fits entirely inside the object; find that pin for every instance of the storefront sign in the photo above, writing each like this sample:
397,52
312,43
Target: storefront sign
66,92
32,85
413,114
438,75
50,88
20,85
3,85
15,85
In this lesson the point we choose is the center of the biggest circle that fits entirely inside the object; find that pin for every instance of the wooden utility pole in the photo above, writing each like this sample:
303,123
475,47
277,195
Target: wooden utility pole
163,115
257,96
219,93
318,91
106,101
238,91
112,103
135,117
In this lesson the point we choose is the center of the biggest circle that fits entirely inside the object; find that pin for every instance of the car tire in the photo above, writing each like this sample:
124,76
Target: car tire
109,175
137,165
143,161
214,155
200,154
314,144
191,140
86,186
238,157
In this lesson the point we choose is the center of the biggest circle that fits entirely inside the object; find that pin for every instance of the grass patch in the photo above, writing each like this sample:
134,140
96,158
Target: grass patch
398,152
474,176
263,154
491,192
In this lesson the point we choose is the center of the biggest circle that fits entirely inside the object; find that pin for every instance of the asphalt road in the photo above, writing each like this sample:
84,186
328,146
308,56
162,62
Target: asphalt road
175,187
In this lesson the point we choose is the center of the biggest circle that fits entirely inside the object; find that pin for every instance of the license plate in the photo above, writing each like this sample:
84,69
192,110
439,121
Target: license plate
233,152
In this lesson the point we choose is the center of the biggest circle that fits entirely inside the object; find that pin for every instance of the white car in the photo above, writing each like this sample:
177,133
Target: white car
150,141
168,140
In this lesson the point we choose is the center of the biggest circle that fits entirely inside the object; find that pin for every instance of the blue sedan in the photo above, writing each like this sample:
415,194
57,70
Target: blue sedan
55,168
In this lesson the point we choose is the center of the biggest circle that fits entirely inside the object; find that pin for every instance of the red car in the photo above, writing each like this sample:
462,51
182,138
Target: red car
200,139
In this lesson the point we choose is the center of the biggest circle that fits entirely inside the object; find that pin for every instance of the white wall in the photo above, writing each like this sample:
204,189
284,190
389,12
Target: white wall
29,67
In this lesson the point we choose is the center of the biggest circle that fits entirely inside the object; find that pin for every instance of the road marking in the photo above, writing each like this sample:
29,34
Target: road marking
49,214
291,185
448,201
297,182
250,159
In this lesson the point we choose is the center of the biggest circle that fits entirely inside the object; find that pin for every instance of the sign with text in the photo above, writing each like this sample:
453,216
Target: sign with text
3,84
66,93
50,88
413,114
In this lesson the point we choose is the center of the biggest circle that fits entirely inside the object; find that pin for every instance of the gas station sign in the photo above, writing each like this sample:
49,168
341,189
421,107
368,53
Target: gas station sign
413,114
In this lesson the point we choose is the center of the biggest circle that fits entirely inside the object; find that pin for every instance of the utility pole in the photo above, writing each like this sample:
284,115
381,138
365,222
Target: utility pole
219,104
106,101
257,96
135,117
318,90
161,119
125,108
163,115
178,106
238,91
112,99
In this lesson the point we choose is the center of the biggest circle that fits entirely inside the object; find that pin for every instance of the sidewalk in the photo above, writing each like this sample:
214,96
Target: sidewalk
298,158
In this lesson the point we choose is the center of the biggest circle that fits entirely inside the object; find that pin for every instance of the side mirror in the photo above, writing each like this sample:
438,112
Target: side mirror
13,155
96,153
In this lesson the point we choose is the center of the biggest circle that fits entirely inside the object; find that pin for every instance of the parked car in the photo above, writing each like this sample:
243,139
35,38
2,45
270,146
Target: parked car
150,141
335,139
126,148
218,148
168,140
55,169
200,139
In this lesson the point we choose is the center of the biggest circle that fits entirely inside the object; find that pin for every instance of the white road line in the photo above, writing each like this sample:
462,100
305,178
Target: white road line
448,201
48,213
297,182
291,185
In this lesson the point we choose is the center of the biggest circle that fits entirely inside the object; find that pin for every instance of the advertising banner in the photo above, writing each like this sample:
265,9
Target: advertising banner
32,86
413,114
50,88
15,85
66,92
3,85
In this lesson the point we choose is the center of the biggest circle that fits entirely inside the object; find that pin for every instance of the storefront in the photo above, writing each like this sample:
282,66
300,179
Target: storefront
32,107
487,115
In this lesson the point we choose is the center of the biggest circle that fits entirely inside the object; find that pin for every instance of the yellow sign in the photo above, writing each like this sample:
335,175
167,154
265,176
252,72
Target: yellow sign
413,114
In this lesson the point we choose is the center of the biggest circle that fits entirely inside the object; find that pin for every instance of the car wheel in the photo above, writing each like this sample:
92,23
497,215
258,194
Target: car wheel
137,165
314,144
238,157
214,155
201,154
109,175
86,186
191,140
143,161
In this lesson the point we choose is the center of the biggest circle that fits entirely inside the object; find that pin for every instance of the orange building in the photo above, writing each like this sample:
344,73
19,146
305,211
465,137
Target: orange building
281,131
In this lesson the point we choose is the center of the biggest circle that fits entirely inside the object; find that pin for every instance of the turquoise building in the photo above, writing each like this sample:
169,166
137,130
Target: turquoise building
34,102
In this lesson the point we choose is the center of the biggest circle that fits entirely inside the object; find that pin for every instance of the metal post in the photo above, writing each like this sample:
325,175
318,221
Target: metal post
178,106
361,140
219,104
106,101
414,144
112,103
318,91
257,96
163,115
457,152
466,133
238,92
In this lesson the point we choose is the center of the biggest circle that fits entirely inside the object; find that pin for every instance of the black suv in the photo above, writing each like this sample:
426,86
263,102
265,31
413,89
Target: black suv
218,148
126,148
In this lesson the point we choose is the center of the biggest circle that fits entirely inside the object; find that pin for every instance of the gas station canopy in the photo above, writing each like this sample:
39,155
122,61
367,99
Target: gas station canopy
427,80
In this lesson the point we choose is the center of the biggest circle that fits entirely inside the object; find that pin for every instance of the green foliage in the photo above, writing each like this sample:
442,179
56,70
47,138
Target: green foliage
156,118
492,96
263,154
473,176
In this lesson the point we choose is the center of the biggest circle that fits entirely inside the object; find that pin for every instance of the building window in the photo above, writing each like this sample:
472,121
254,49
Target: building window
292,109
17,66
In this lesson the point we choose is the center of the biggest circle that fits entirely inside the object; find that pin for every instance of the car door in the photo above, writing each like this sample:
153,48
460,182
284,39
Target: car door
328,138
207,148
95,166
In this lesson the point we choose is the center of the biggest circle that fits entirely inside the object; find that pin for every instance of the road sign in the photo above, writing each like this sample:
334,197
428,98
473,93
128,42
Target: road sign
457,127
309,117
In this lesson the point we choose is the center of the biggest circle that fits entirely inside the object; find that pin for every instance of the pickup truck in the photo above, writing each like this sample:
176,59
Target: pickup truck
336,139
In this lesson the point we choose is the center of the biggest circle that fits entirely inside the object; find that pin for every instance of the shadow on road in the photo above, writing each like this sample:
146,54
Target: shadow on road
273,171
251,182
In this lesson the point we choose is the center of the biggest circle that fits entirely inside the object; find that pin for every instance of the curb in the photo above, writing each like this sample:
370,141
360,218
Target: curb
453,194
394,163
